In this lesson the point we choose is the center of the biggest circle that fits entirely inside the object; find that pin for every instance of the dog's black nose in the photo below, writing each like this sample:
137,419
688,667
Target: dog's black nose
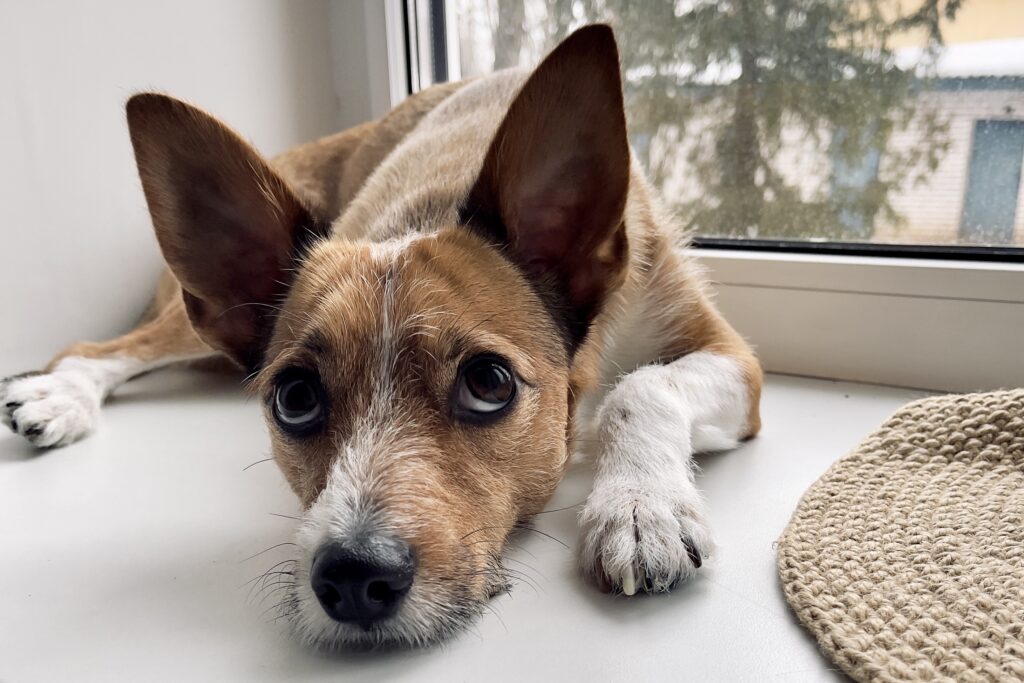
362,580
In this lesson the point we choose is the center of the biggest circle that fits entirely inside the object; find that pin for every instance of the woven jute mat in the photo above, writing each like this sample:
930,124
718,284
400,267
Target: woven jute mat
906,559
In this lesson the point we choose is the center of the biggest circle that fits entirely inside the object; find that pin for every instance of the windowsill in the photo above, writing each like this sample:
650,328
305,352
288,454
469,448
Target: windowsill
133,548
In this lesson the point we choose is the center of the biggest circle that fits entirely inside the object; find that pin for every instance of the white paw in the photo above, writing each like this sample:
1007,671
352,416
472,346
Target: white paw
52,409
642,538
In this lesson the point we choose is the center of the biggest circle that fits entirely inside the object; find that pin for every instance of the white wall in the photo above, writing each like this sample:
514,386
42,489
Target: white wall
77,253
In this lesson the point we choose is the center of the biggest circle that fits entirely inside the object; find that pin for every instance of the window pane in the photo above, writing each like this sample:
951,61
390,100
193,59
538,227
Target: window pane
887,121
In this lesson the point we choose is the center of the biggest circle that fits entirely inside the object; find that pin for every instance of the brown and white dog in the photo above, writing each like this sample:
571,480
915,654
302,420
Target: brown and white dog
425,303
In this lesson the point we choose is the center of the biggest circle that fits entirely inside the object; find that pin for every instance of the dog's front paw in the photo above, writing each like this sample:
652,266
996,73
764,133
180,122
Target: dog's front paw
635,538
52,409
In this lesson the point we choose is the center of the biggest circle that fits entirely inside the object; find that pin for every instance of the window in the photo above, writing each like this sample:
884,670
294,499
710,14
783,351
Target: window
813,145
868,121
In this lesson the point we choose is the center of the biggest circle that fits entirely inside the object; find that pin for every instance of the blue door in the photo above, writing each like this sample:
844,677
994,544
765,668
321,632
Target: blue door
990,205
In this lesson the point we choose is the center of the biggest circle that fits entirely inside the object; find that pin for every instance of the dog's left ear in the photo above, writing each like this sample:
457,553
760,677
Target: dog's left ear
228,225
554,182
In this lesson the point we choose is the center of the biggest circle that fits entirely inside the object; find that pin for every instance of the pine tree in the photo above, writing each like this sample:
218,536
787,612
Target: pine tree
730,77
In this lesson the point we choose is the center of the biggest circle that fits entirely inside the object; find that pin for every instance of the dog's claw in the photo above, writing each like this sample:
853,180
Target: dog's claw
628,582
642,541
692,551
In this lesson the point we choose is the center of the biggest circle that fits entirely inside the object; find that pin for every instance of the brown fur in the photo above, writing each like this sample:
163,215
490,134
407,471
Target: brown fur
474,274
165,331
452,479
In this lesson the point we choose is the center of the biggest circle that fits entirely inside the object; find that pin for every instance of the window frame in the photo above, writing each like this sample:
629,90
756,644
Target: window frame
981,253
937,317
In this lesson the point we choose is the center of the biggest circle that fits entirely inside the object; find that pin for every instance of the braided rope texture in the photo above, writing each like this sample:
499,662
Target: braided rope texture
906,559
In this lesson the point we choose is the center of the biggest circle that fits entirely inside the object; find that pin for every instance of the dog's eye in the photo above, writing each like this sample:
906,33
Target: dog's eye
298,406
486,385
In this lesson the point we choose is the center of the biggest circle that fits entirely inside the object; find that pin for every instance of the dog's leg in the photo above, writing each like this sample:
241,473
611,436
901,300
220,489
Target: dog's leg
643,526
61,404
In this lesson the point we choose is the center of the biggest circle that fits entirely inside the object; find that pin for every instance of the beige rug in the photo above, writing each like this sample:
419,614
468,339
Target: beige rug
906,559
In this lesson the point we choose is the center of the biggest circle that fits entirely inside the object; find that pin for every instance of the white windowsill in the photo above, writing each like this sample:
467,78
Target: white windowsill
141,542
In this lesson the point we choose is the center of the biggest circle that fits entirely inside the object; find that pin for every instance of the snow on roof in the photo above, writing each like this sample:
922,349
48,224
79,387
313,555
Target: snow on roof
981,58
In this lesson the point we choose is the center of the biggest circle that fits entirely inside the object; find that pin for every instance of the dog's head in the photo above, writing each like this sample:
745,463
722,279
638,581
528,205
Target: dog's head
419,392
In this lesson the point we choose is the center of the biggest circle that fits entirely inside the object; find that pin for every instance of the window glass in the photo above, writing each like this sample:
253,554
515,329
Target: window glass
886,121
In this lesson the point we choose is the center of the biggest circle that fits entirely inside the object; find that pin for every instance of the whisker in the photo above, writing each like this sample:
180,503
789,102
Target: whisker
480,540
264,575
567,507
508,543
492,610
544,534
256,583
286,615
261,582
529,582
271,589
277,606
528,566
476,531
256,463
267,550
503,573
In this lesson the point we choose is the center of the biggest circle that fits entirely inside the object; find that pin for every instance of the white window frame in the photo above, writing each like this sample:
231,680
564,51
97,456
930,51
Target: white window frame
926,323
945,325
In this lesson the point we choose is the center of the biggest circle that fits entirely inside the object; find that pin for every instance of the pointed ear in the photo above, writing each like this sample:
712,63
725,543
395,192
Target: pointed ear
554,182
227,224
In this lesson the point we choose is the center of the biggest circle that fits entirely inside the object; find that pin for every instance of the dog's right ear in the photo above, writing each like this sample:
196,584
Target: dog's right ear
552,190
227,224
